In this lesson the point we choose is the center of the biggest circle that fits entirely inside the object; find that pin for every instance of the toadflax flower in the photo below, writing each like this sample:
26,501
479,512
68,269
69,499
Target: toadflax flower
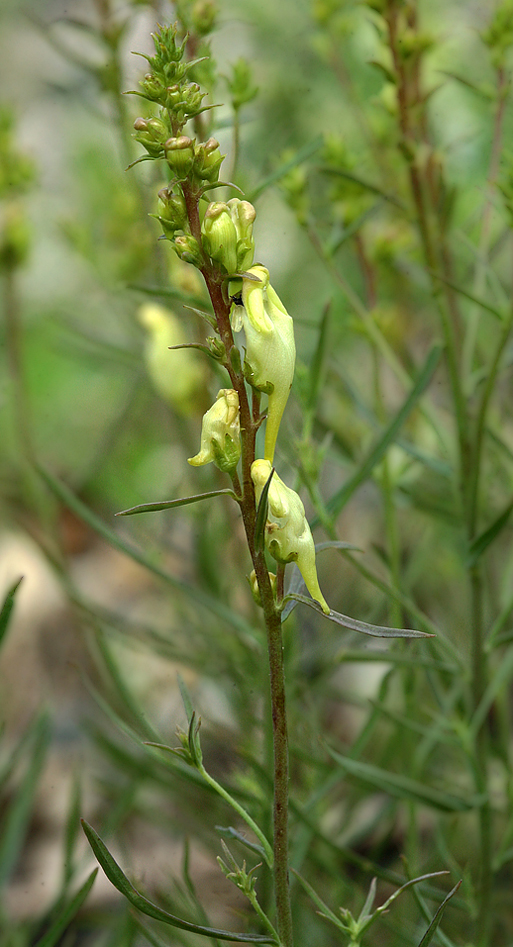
287,534
177,376
270,348
220,433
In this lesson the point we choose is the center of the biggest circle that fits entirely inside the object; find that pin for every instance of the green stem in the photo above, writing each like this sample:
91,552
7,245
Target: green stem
241,811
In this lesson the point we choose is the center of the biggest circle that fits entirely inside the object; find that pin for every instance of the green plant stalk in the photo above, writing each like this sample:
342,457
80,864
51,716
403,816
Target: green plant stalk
272,617
241,811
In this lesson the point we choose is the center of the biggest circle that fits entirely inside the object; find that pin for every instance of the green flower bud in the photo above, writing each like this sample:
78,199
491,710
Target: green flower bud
287,533
217,348
204,13
153,88
14,237
270,348
255,591
151,133
193,99
220,236
180,155
187,248
208,160
174,212
241,88
243,215
220,433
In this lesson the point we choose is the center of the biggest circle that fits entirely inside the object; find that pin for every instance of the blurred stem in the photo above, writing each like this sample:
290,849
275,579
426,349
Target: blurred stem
469,345
235,143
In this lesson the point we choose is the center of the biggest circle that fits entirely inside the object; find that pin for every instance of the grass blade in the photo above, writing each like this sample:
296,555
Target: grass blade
340,498
61,923
403,787
302,155
428,936
7,607
481,542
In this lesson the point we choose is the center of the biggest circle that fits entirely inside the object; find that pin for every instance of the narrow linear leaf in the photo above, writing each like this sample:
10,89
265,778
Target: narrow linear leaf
376,631
319,358
297,584
7,607
403,787
231,833
474,299
428,936
261,515
61,923
173,504
481,542
189,301
186,698
196,595
126,888
499,680
486,92
16,820
366,185
340,498
302,155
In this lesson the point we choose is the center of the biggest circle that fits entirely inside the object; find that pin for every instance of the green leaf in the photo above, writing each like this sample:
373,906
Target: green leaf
499,680
366,185
428,936
7,607
261,516
340,498
402,787
319,359
61,923
186,698
501,316
173,504
17,817
231,833
376,631
196,595
481,542
302,155
297,583
124,886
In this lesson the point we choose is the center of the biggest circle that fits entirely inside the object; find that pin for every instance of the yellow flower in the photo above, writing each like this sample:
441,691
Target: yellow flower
270,348
288,535
220,433
177,376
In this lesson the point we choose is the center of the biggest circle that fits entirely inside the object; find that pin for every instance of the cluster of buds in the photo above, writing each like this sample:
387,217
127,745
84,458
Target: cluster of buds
287,533
220,433
167,83
227,232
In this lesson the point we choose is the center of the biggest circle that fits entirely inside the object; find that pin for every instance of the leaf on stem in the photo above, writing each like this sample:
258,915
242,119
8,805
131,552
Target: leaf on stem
61,923
403,787
376,631
7,607
428,936
231,833
117,877
366,185
173,504
481,542
261,516
297,583
501,316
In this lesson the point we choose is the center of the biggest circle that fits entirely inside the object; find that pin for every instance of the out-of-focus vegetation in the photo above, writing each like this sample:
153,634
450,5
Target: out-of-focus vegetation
373,139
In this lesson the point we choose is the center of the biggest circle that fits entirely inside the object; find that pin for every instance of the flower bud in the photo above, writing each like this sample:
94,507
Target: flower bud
243,215
220,433
152,133
180,155
208,160
270,348
220,235
153,88
173,216
287,534
255,591
204,14
188,249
